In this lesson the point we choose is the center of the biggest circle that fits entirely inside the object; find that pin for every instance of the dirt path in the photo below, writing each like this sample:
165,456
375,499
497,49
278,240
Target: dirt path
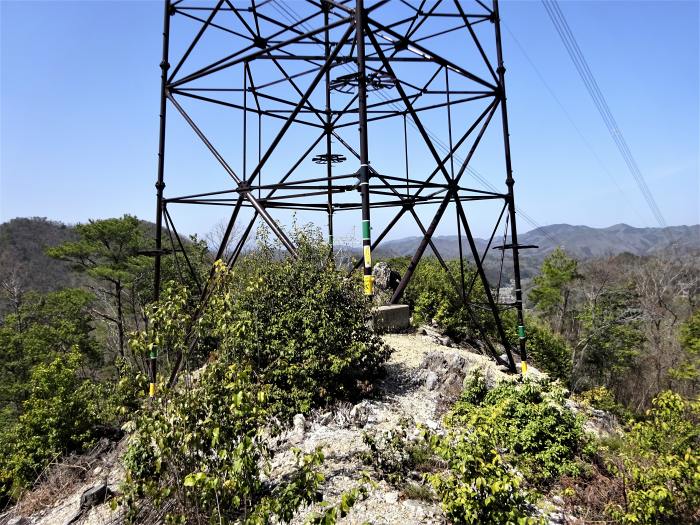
413,392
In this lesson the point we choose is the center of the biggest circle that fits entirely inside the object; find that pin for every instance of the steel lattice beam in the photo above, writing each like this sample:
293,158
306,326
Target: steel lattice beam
338,66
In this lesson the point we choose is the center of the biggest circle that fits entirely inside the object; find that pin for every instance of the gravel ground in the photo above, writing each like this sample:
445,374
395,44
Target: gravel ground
404,398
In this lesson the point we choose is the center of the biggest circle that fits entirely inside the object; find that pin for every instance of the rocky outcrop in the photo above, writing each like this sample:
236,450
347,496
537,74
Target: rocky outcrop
423,376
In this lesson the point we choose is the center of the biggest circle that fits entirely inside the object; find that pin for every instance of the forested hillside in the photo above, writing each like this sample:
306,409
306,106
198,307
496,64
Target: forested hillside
24,264
275,401
581,242
23,242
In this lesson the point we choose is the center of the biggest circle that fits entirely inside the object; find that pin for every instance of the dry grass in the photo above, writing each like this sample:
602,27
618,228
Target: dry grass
62,476
589,496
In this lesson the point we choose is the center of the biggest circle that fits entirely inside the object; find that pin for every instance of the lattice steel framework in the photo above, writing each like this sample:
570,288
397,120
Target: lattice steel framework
317,76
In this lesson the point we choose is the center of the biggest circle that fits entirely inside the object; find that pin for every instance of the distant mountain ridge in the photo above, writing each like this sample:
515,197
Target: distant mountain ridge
581,242
23,242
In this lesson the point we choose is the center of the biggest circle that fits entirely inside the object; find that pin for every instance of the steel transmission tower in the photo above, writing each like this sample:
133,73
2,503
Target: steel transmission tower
334,105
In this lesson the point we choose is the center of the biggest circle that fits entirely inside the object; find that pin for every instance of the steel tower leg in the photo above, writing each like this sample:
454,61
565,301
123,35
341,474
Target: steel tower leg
510,182
364,171
160,184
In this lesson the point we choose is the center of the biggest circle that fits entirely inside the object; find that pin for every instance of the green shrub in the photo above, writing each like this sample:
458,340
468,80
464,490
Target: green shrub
44,327
58,418
660,465
529,423
299,323
431,295
500,445
547,350
479,487
281,334
202,451
603,399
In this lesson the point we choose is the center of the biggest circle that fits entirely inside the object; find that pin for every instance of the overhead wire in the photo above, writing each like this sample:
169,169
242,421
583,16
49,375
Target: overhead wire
581,64
568,116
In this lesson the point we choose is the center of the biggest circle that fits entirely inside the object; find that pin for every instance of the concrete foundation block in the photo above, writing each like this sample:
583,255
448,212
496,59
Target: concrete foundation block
392,318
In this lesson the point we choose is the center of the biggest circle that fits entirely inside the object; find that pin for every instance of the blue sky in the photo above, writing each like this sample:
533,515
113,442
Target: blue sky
79,115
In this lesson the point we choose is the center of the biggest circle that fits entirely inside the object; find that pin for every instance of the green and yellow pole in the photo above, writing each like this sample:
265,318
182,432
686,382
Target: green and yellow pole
368,279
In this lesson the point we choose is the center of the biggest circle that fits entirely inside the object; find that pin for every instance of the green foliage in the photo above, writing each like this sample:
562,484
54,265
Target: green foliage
43,328
479,487
602,399
57,418
610,342
299,323
548,350
107,250
550,293
282,334
203,450
501,443
661,465
689,337
529,423
432,295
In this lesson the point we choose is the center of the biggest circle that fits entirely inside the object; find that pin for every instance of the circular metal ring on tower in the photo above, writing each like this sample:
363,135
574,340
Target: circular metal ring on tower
323,158
375,81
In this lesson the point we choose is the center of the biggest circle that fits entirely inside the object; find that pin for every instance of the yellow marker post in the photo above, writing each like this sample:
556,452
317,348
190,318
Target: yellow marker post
369,284
523,367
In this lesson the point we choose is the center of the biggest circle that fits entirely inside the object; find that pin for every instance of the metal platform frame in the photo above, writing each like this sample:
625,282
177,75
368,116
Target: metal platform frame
354,51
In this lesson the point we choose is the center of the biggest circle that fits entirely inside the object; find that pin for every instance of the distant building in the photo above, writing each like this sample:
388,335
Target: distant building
506,293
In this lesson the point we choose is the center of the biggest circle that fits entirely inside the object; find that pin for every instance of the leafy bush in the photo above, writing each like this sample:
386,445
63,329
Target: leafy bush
500,445
299,323
431,295
478,487
602,399
58,417
202,451
660,465
43,328
282,334
529,423
547,350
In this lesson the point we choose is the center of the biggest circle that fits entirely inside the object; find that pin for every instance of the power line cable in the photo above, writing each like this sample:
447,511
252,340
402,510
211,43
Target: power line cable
568,116
581,64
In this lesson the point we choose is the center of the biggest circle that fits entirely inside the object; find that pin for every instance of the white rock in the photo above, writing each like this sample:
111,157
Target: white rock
431,380
359,414
432,425
445,341
299,424
391,497
325,418
415,508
